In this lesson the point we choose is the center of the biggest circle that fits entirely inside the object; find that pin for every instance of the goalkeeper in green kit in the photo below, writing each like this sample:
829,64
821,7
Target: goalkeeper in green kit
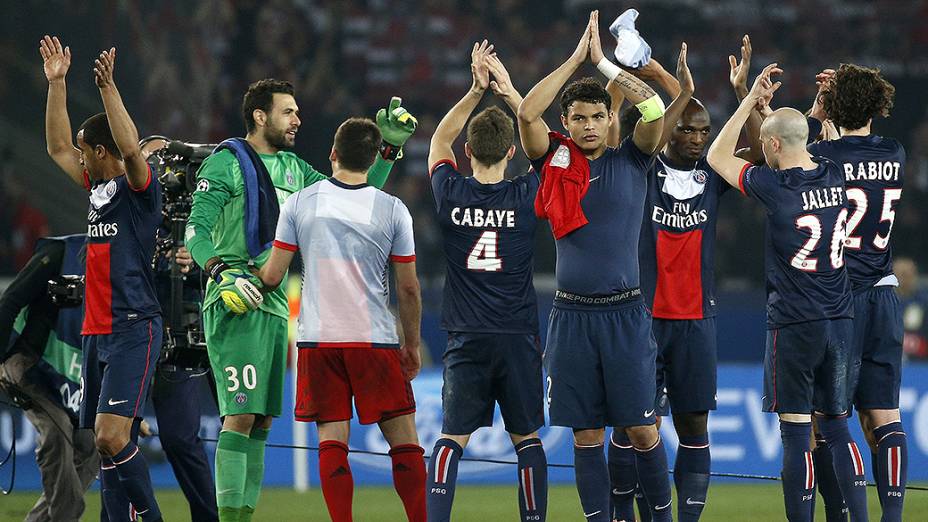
240,188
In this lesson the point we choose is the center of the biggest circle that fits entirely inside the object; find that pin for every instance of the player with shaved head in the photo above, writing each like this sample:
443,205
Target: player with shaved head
809,301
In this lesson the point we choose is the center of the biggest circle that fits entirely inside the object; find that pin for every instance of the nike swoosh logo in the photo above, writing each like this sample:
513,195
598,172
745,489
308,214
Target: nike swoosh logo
588,515
617,492
111,402
648,413
665,506
691,502
594,179
224,491
661,174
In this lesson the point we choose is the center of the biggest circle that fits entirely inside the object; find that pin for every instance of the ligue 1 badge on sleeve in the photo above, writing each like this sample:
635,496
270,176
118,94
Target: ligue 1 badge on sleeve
561,157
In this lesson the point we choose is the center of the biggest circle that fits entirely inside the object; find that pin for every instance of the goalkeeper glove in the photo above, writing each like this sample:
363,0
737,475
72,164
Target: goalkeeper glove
240,291
396,125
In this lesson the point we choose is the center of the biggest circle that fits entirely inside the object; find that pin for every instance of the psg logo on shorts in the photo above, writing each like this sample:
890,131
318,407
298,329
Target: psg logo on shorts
700,176
241,398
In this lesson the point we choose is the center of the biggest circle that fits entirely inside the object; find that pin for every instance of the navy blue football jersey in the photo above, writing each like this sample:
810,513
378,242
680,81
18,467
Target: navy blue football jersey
873,170
119,282
488,232
677,248
806,217
601,257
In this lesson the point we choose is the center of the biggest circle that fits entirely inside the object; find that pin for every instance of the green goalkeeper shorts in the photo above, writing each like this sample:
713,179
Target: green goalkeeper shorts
248,354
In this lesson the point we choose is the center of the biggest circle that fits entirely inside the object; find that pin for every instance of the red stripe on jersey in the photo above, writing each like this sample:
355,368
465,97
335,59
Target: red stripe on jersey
285,246
741,177
85,177
403,259
679,275
439,162
98,291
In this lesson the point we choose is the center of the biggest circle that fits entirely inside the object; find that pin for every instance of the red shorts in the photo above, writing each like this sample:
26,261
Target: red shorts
328,378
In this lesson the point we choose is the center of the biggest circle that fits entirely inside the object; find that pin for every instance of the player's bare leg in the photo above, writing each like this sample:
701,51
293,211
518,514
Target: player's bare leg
889,453
651,461
692,466
408,464
113,440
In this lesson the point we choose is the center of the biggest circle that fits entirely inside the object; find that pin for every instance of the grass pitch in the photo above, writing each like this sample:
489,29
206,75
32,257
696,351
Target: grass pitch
727,502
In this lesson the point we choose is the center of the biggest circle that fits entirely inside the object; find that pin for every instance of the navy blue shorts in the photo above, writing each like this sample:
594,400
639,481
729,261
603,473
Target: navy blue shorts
878,335
600,362
117,370
806,367
483,369
686,365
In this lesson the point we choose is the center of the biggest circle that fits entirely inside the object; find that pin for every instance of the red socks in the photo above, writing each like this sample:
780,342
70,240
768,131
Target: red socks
409,479
337,483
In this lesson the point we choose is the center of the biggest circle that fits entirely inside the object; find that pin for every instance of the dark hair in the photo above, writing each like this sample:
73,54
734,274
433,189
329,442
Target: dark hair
260,95
97,132
585,90
357,142
857,95
490,134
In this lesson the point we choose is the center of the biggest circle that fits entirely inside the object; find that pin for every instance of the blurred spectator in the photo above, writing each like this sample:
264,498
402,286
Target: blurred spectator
913,296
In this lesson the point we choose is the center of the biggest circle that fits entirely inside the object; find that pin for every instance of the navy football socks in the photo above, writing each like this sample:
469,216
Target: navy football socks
533,480
442,477
592,477
655,480
891,469
798,471
623,476
135,480
848,464
835,509
691,476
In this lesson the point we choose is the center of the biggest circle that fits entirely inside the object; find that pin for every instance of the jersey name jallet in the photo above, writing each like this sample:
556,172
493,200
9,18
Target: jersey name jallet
822,198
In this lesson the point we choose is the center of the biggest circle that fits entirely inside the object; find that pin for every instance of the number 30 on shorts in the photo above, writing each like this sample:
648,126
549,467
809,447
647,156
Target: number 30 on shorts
249,377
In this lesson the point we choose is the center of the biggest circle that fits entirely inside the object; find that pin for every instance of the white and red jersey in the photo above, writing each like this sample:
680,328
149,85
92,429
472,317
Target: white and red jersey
347,235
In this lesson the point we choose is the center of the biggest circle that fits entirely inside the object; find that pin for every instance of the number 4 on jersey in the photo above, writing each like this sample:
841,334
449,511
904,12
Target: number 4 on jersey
483,257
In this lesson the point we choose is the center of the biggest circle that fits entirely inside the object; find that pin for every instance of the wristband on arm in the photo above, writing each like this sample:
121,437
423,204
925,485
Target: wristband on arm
609,69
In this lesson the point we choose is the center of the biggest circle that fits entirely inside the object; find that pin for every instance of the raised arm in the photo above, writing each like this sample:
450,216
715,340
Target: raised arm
396,126
502,86
532,130
56,60
124,132
722,151
684,81
649,128
738,77
614,136
409,303
451,125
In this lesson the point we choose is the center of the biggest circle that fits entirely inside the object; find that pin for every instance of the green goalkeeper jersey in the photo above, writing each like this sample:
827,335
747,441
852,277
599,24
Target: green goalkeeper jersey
216,225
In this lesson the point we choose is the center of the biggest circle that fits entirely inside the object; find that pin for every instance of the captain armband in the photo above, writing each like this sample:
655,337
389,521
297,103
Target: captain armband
651,109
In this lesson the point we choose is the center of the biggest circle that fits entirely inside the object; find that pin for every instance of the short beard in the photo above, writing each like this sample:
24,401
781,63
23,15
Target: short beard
278,140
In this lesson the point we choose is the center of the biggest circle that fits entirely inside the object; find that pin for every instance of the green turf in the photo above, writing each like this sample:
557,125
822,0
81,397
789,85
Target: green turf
727,502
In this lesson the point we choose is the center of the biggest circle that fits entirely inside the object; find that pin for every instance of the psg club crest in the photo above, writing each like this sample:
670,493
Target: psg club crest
290,179
241,398
101,195
700,176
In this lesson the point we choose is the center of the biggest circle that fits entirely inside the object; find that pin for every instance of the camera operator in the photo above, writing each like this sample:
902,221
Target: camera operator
41,370
183,369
